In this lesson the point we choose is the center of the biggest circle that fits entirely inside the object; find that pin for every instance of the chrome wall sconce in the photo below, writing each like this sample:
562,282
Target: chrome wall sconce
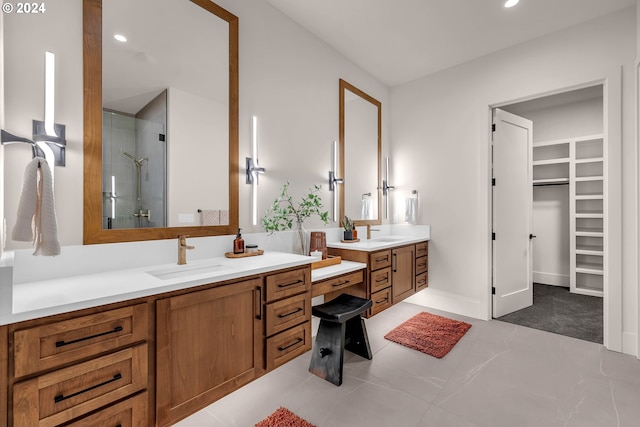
48,138
386,187
333,180
253,170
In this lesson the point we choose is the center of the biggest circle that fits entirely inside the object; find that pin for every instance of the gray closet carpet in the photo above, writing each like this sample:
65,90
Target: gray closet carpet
557,310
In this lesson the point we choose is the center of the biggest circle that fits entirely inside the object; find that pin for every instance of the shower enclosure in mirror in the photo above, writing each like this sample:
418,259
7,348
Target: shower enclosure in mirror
161,119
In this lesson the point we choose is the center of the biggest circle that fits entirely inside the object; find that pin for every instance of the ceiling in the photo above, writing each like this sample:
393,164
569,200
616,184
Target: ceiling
401,40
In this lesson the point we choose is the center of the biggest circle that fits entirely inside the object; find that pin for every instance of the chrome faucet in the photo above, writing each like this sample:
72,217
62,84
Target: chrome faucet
182,249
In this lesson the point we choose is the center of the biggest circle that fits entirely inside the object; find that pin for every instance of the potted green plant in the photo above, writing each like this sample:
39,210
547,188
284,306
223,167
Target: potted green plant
347,224
284,214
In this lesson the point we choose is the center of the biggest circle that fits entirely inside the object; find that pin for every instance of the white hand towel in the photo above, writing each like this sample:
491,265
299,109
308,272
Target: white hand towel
411,210
367,212
36,218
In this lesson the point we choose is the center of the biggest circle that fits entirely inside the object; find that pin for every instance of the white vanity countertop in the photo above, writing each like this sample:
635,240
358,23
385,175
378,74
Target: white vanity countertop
336,270
48,297
378,243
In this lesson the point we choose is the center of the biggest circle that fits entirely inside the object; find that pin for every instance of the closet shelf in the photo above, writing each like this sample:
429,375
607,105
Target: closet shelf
550,161
589,178
597,215
589,268
590,250
589,197
590,160
589,232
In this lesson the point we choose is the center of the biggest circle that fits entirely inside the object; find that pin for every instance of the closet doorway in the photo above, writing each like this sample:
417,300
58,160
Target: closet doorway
568,187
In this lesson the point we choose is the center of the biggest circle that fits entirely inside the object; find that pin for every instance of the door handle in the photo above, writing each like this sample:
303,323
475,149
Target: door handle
532,236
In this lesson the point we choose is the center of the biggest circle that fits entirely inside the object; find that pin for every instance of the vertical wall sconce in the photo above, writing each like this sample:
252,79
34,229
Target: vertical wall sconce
48,137
386,188
253,170
333,180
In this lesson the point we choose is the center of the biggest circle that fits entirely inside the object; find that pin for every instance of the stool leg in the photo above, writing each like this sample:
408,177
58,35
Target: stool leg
357,340
328,352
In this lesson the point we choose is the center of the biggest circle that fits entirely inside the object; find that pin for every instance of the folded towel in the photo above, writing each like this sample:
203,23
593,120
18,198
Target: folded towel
367,212
36,218
411,210
224,217
210,217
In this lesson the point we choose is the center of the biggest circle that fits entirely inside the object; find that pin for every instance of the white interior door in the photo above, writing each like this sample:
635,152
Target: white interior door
512,213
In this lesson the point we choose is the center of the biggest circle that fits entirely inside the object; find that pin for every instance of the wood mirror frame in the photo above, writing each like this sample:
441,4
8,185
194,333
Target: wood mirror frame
378,105
92,68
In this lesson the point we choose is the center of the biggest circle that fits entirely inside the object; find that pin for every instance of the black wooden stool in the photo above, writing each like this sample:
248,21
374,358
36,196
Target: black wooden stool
340,327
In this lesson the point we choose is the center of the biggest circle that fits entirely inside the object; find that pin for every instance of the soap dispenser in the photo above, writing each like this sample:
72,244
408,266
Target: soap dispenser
238,244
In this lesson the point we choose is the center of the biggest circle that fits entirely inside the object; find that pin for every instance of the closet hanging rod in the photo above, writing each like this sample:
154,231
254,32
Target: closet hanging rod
547,184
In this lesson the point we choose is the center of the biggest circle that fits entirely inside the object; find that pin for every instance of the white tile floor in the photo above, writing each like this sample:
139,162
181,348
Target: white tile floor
498,375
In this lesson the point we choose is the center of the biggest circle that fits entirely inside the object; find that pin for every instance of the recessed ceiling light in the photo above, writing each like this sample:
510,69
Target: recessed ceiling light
511,3
123,39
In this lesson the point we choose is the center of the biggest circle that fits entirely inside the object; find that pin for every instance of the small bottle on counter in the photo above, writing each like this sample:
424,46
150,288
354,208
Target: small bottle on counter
238,244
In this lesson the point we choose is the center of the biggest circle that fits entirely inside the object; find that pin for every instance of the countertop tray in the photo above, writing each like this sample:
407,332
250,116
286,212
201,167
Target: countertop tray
243,255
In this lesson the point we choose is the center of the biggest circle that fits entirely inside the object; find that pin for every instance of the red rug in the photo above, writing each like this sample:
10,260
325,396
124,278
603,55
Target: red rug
283,417
429,333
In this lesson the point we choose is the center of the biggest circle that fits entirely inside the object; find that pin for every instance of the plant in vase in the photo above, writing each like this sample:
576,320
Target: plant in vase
284,214
347,224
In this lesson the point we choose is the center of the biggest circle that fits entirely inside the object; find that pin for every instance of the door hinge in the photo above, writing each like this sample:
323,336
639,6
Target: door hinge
493,127
493,182
493,290
493,236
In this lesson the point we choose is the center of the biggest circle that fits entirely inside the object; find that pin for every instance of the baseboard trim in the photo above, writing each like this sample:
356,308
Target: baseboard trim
551,279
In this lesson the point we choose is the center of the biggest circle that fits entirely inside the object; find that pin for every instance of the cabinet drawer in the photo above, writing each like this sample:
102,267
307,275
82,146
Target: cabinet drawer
381,300
60,396
422,249
50,346
287,345
336,283
422,264
289,283
129,413
380,279
289,312
378,260
422,281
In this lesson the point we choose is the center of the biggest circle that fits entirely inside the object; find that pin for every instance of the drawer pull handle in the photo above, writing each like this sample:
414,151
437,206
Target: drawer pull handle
298,341
341,283
386,258
291,284
297,310
422,282
385,299
63,343
59,398
382,279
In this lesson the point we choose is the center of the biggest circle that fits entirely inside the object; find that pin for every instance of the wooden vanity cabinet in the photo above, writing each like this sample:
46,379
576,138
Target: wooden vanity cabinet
209,343
287,310
391,274
422,266
65,367
402,272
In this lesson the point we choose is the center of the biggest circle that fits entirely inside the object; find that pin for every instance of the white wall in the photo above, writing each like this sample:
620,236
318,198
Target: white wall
288,79
440,133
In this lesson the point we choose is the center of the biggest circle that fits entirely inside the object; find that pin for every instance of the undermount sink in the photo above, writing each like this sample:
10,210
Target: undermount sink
187,270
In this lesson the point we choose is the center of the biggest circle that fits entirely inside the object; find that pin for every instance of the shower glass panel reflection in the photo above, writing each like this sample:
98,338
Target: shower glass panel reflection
133,171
